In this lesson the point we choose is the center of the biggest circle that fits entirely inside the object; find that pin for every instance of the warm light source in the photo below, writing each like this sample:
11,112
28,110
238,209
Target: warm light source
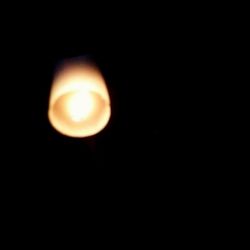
79,103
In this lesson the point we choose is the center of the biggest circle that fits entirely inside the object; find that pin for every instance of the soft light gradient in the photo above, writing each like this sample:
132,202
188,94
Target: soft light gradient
79,103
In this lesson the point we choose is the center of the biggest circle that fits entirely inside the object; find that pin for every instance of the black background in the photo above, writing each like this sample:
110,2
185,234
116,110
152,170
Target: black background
157,149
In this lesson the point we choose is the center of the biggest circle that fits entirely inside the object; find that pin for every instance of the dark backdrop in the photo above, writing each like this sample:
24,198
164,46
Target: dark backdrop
157,147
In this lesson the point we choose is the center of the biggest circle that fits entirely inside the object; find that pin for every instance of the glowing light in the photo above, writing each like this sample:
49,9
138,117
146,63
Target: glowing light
79,103
80,106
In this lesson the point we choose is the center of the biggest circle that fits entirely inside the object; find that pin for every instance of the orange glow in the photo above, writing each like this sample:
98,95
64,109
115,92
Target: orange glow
79,104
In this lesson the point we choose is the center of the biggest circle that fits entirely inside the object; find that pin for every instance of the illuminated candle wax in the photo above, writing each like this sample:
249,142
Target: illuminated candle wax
79,104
